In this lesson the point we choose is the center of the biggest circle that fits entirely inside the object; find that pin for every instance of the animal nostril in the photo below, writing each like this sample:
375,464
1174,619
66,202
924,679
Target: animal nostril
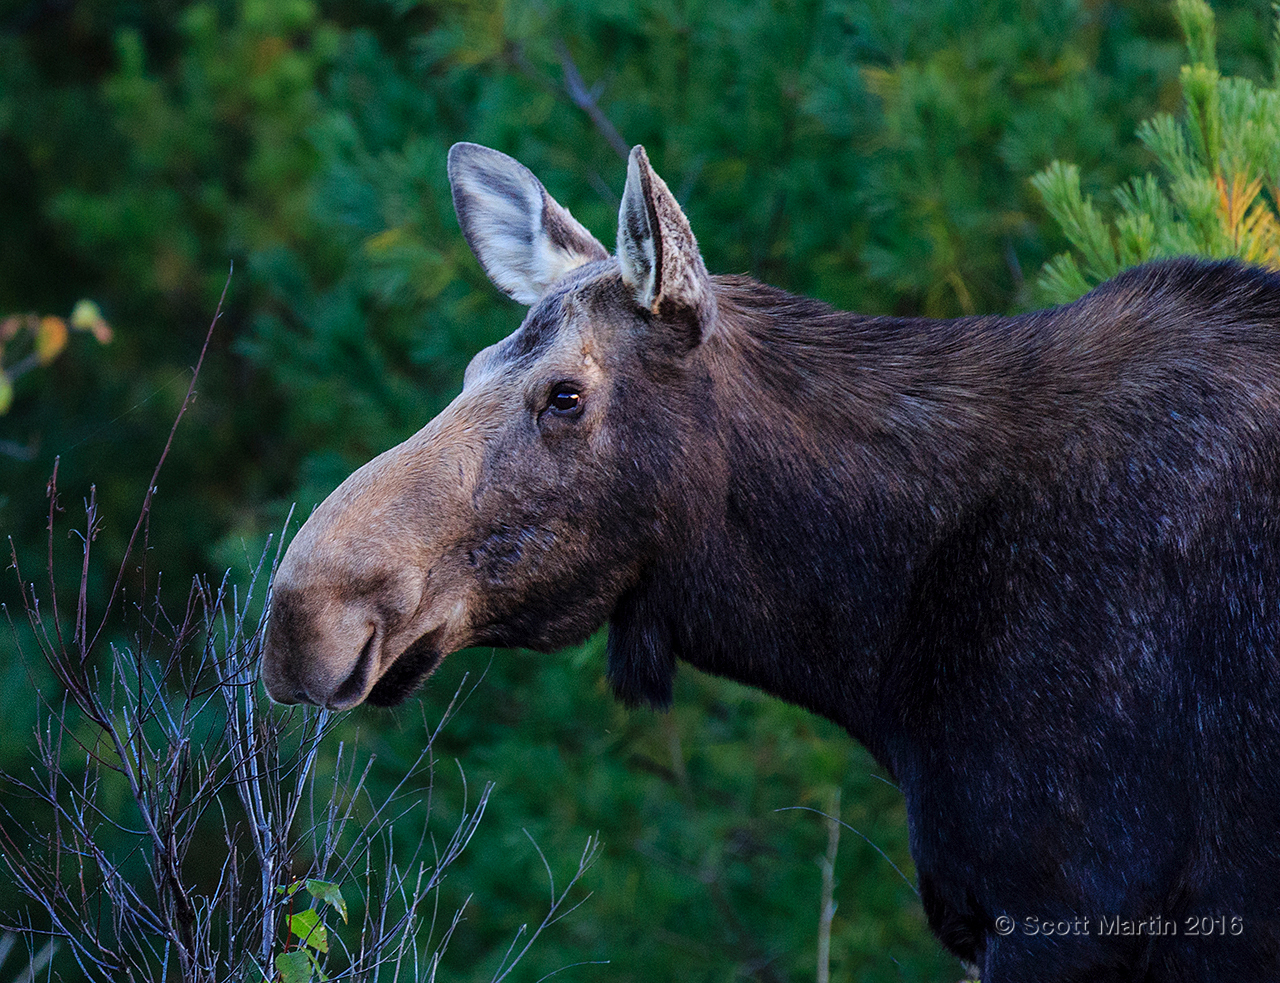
353,687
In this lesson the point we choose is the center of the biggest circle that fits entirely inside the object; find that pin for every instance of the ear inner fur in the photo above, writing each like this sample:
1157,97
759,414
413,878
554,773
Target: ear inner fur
639,238
661,263
522,237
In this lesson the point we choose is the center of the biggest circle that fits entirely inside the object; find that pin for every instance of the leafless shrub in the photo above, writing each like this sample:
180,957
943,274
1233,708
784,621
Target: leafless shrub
160,760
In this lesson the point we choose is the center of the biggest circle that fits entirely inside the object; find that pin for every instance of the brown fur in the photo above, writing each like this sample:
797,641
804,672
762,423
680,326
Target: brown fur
1033,563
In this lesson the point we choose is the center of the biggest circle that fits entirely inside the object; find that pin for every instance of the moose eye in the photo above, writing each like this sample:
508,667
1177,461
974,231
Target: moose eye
565,400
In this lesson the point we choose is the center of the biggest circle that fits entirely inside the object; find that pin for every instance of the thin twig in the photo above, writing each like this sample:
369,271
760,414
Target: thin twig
155,474
871,843
586,100
589,854
575,90
827,910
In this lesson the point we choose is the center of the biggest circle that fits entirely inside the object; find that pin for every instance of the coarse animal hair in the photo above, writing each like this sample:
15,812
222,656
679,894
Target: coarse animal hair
1032,562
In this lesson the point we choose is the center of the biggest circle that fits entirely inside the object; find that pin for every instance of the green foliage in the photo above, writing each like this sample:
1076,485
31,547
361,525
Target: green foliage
301,963
873,153
980,97
701,876
327,892
1221,178
297,966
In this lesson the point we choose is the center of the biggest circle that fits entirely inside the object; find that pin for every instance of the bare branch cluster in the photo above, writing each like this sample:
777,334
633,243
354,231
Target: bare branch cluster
165,743
172,815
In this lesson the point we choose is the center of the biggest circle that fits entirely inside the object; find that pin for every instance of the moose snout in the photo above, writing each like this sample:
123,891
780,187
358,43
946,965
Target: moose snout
319,653
328,648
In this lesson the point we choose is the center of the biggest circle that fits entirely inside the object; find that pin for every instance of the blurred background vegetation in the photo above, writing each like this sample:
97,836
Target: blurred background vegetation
878,154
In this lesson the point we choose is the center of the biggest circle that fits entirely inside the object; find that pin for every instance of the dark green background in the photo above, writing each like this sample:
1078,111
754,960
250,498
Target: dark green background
875,153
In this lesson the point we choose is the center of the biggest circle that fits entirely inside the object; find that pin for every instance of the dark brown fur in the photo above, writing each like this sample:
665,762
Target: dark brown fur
1033,563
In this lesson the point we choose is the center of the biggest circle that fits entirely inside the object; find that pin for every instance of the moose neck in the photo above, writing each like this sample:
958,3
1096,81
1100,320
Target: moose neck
850,447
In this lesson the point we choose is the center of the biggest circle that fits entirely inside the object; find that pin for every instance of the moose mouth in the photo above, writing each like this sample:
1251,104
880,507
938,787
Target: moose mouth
406,674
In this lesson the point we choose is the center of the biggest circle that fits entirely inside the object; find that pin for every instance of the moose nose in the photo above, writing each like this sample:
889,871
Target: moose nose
286,632
311,650
325,647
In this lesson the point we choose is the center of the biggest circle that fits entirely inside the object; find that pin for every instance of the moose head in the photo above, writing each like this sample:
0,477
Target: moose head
523,512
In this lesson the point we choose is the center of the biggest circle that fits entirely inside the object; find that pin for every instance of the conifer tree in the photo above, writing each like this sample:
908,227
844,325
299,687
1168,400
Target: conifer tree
1219,182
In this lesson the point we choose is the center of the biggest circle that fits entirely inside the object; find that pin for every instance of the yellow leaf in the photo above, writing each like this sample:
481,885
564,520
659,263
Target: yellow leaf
384,241
880,81
87,317
6,394
51,338
1234,203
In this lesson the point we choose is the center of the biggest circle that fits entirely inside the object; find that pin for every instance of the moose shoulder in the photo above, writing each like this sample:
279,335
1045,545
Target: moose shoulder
1033,563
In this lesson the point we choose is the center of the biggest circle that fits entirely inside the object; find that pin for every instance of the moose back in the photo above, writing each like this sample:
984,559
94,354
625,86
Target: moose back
1032,563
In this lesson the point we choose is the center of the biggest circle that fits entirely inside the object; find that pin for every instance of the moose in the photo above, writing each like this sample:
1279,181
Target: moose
1032,563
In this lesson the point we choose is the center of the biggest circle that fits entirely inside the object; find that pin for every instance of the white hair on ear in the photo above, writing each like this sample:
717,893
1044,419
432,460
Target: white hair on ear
656,247
639,247
524,239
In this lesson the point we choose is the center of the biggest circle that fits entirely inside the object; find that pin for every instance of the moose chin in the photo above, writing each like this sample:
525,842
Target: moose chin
1032,563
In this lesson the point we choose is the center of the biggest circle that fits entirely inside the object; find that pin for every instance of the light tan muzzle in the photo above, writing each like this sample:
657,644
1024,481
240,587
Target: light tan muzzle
362,607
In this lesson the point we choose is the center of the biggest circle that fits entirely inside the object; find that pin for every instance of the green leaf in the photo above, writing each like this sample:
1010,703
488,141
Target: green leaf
329,893
295,966
306,925
1195,17
1061,282
1059,187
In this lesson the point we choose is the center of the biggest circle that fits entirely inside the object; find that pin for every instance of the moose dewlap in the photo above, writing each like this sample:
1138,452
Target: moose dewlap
1032,563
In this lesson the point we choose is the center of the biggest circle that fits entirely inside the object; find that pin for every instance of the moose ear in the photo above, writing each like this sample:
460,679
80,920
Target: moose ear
524,238
656,248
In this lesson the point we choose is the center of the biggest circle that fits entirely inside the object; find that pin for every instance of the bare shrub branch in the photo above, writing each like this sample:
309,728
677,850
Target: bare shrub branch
161,747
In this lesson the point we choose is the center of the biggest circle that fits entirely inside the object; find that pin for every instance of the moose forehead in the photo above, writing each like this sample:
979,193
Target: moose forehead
577,308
